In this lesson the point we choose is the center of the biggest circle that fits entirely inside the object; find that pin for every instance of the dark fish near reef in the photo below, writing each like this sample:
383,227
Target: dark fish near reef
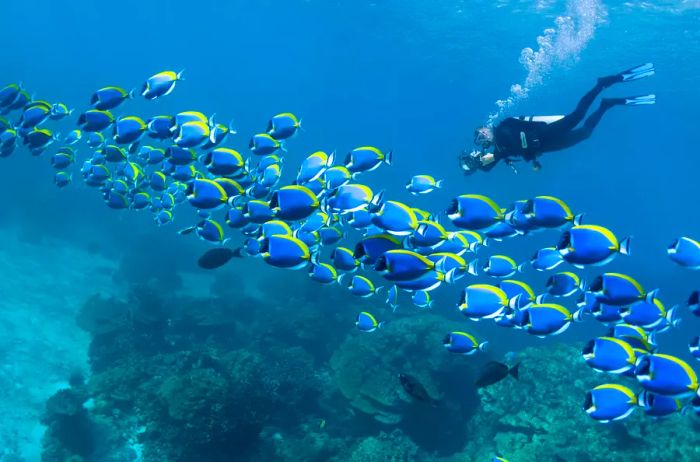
494,372
415,389
216,258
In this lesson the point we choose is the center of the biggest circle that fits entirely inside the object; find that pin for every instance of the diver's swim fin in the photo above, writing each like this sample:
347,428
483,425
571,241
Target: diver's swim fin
636,73
630,100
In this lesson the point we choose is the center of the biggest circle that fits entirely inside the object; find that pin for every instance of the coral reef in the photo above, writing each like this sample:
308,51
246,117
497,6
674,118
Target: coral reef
541,415
366,368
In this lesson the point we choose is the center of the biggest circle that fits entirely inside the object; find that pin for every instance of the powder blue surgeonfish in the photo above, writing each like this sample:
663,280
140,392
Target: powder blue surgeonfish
685,252
650,315
337,176
609,402
666,375
422,299
423,184
396,218
108,98
323,273
545,319
192,134
94,120
474,212
549,212
609,354
351,198
128,129
564,284
160,84
370,248
367,323
462,343
546,259
285,252
344,259
283,126
585,245
482,301
263,144
223,161
403,265
314,166
293,202
658,405
497,266
361,286
208,230
206,194
618,289
366,159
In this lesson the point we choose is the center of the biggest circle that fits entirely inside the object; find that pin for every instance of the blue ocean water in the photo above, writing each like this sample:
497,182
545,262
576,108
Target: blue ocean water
414,77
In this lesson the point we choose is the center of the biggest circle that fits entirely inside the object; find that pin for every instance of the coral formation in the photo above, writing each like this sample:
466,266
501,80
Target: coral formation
542,415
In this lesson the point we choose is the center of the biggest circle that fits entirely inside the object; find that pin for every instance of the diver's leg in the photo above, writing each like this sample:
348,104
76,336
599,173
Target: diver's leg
572,137
561,126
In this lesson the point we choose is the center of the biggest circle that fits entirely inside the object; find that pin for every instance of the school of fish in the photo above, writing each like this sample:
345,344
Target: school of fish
161,163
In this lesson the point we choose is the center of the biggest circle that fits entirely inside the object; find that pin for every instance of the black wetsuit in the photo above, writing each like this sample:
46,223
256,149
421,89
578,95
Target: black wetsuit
518,137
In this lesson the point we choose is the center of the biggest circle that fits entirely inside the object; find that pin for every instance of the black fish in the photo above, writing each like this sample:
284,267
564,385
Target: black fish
494,372
216,258
415,389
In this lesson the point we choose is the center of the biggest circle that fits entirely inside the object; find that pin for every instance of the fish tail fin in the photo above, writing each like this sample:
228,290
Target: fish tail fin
672,316
451,276
577,315
483,346
330,159
625,246
522,267
180,75
133,93
378,290
473,267
439,183
541,298
283,148
342,278
583,285
376,203
514,371
232,128
240,252
514,302
388,158
651,296
578,219
314,258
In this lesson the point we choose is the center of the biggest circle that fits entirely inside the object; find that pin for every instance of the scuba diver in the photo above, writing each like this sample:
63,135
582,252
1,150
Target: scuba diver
527,137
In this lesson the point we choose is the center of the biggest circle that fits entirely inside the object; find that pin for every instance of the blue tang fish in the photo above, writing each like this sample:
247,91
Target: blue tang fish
666,375
609,354
685,252
462,343
609,402
474,212
160,84
367,323
585,245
